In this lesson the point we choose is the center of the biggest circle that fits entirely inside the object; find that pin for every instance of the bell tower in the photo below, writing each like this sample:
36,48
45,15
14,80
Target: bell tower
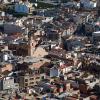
31,46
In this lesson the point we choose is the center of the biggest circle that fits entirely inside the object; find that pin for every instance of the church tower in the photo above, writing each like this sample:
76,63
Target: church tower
31,46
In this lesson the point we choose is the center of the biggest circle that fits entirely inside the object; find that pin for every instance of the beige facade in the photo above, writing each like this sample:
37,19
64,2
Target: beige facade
6,67
30,80
38,64
40,52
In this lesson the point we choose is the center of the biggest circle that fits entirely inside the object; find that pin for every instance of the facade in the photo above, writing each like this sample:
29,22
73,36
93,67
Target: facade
29,80
11,28
86,3
25,49
54,72
98,7
50,57
8,83
1,85
40,52
6,67
96,36
7,1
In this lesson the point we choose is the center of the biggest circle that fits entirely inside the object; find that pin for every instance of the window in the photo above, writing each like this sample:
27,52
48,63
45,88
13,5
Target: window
36,82
31,78
42,77
31,82
16,85
32,44
37,77
26,84
26,80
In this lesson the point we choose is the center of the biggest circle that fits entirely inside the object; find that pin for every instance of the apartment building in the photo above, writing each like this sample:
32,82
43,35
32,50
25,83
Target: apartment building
30,80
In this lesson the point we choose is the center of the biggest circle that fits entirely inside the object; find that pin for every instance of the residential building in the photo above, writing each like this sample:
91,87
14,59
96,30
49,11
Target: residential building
96,36
29,80
8,83
6,67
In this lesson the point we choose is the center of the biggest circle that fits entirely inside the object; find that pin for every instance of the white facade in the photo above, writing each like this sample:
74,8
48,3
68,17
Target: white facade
67,69
8,83
48,19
